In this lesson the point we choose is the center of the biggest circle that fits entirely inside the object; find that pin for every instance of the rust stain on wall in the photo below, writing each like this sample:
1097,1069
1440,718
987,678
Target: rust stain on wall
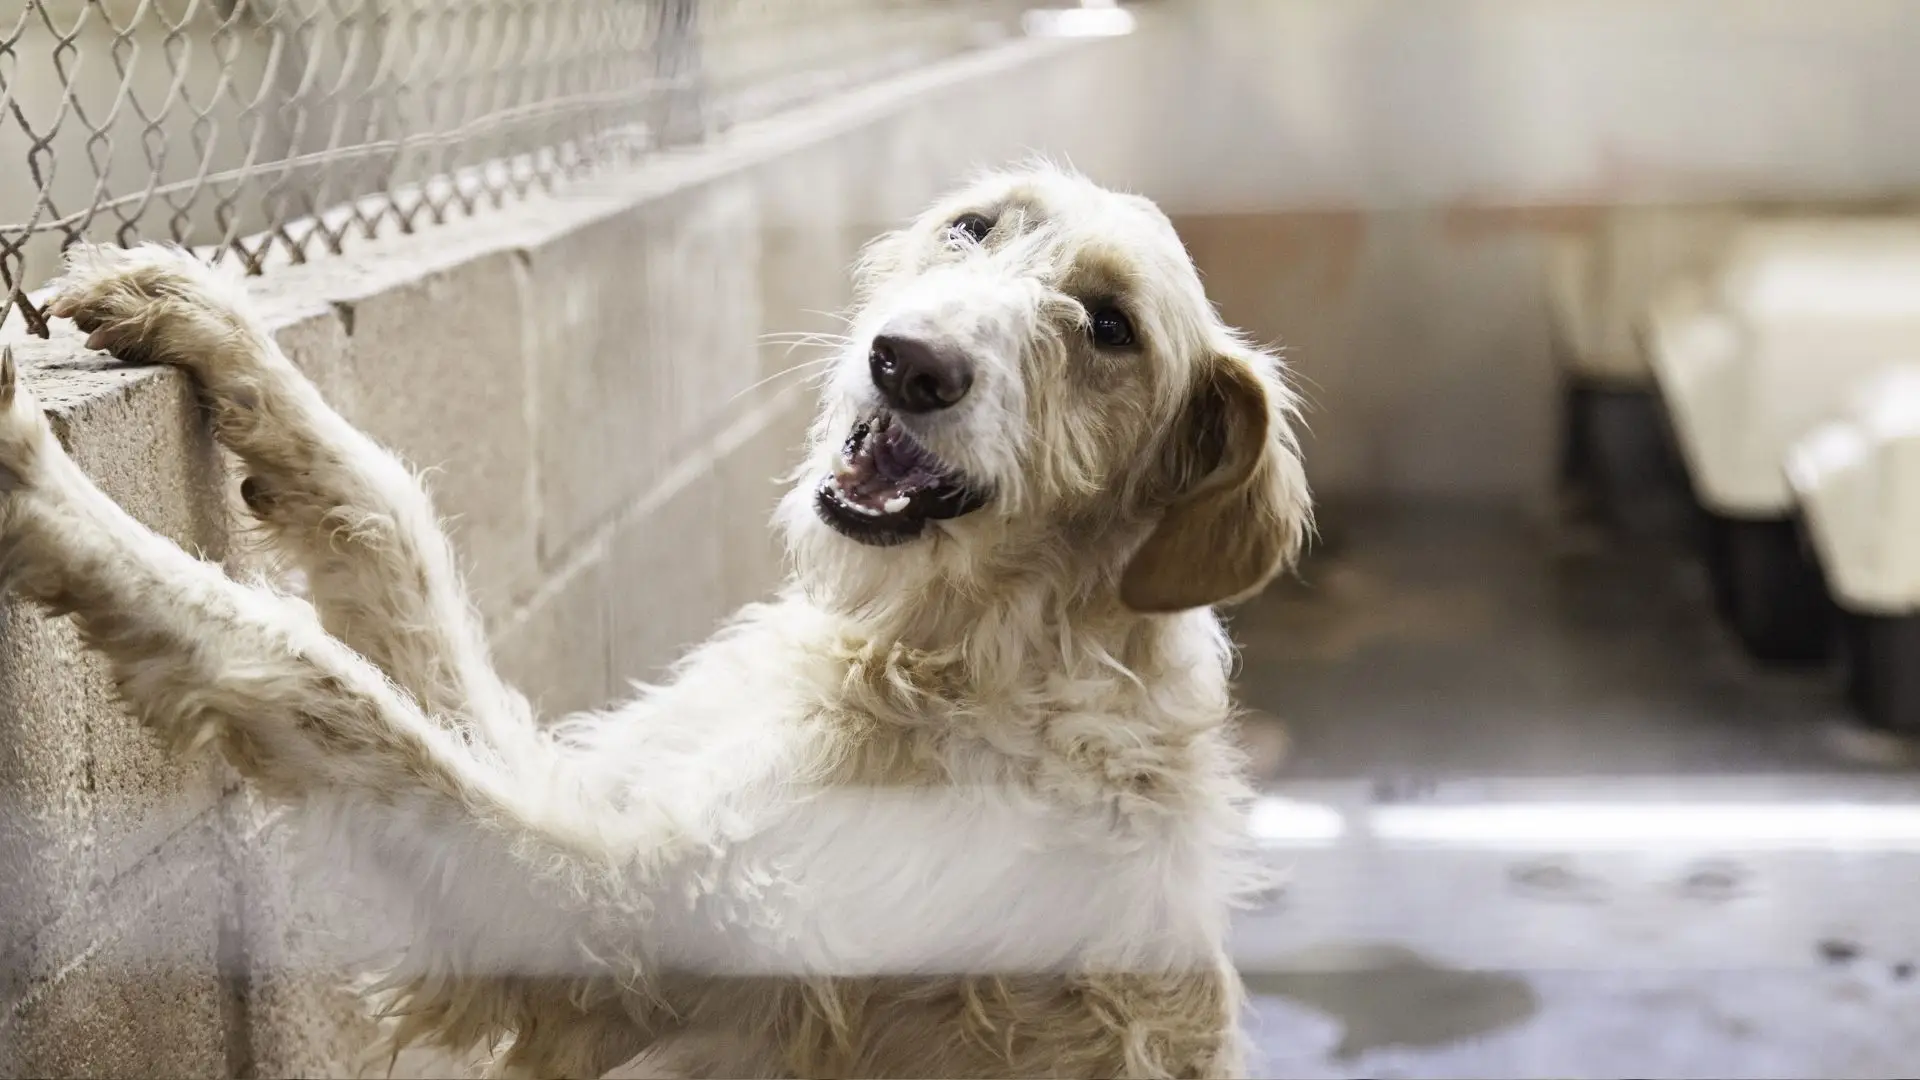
1461,222
1323,244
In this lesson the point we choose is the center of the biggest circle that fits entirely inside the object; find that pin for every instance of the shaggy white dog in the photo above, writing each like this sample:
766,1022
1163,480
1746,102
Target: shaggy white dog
962,801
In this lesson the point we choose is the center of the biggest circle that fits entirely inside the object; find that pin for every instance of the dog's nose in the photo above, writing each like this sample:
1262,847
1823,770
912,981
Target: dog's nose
917,376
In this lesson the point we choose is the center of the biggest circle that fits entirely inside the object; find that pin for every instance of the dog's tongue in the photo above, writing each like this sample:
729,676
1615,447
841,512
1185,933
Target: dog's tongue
900,460
885,471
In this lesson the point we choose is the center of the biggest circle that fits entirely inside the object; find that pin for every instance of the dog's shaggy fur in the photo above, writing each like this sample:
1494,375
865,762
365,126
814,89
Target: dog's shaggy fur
962,801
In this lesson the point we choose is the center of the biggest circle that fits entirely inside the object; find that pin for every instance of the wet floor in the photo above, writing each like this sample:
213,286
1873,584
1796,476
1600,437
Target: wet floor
1539,817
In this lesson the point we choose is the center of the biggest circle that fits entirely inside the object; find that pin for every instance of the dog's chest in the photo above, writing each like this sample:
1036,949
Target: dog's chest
903,880
934,849
1040,824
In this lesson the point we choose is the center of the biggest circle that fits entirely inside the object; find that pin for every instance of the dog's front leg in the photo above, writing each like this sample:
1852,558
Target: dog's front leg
517,871
346,511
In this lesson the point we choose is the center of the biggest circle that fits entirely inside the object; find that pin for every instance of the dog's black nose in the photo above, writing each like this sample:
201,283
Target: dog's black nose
917,376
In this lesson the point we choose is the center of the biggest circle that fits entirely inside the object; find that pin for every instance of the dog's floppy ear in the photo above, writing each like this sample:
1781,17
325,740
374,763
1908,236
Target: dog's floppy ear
1240,507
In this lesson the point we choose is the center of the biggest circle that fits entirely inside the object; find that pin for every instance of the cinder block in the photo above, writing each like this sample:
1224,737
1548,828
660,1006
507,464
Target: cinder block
128,983
304,945
642,330
598,389
145,445
703,262
664,577
558,651
85,792
437,363
46,798
752,478
317,339
811,232
693,553
912,162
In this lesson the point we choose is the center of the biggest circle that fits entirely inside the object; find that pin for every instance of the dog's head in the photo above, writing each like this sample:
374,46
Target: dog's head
1036,385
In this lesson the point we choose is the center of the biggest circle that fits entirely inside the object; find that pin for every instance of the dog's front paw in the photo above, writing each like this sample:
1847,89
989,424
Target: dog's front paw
24,433
148,304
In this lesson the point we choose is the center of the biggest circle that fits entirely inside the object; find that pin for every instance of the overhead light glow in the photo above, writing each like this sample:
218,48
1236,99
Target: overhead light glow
1090,19
1748,826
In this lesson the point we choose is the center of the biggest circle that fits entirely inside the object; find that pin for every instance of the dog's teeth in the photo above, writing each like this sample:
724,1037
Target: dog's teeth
896,504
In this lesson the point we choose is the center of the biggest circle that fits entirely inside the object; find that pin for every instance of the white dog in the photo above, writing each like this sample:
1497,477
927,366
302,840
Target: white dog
962,801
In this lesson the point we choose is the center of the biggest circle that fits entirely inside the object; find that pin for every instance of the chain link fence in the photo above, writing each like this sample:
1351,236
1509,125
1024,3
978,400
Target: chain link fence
283,129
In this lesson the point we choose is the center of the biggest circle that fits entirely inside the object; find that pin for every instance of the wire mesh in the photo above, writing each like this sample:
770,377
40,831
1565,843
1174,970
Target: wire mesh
284,129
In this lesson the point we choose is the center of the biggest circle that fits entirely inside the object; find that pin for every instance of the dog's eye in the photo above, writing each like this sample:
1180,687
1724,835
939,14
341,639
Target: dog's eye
974,227
1110,328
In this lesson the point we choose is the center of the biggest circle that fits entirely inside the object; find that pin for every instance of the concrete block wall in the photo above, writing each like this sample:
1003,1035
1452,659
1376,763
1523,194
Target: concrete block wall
585,378
145,72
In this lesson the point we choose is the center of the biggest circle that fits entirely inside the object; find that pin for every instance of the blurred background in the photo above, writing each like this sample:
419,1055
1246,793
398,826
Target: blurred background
1585,729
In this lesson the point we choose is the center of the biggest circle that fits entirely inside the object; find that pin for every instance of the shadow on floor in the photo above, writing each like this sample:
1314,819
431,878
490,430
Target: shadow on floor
1462,641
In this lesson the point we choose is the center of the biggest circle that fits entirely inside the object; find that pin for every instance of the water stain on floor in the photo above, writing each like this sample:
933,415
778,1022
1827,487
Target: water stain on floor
1389,996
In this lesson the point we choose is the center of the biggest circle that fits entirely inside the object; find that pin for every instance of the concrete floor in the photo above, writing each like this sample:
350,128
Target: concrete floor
1540,818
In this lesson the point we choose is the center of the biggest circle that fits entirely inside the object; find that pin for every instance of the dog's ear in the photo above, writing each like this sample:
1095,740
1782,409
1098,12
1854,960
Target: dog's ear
1240,509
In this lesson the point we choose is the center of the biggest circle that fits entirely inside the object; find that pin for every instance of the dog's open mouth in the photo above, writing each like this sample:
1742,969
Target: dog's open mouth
887,486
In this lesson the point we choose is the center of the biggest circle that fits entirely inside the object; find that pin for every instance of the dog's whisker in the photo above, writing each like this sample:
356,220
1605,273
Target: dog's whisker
811,368
821,337
831,348
792,344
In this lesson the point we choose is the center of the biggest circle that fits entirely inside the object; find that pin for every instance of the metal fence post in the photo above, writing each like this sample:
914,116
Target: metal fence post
681,115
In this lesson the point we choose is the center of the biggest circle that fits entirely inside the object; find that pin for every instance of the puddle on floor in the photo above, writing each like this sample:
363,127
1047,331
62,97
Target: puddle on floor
1388,996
